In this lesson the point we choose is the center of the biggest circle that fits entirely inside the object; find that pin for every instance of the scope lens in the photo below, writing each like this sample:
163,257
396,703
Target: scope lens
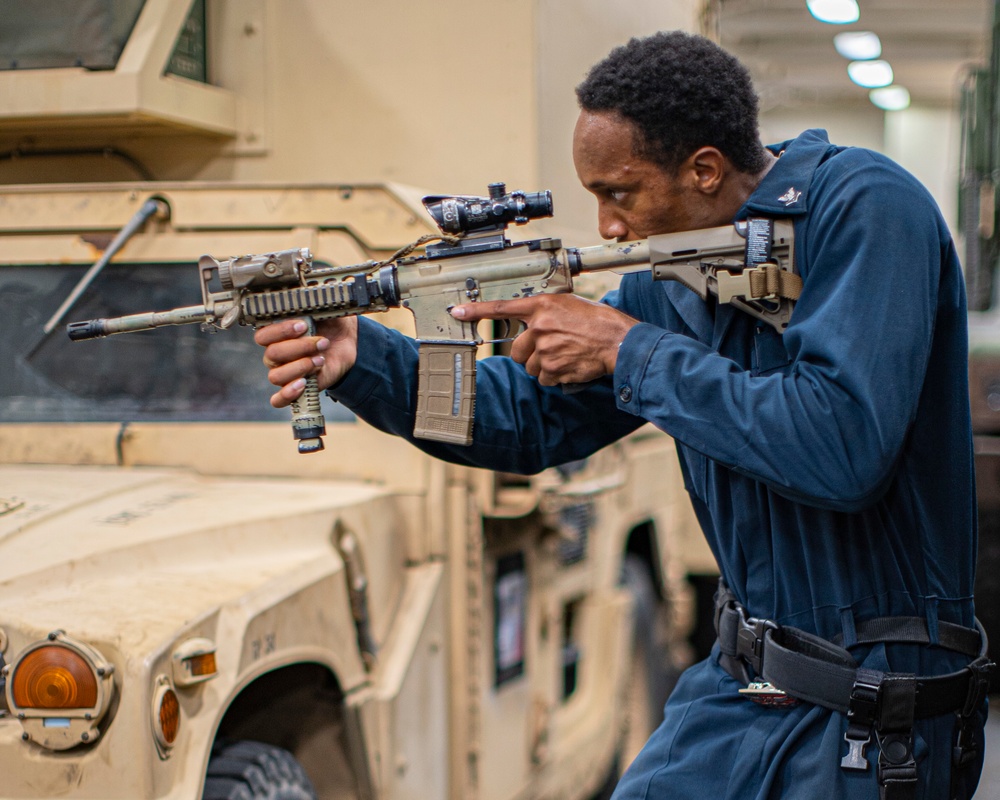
54,676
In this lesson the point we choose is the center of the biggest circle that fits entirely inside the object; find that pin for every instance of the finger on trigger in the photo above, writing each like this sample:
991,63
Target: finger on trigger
493,309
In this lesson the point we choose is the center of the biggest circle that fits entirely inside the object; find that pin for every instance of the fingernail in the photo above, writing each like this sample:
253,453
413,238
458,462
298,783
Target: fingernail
299,327
458,312
298,384
319,361
322,344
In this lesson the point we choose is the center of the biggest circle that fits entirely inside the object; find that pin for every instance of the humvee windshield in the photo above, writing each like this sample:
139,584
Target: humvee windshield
168,374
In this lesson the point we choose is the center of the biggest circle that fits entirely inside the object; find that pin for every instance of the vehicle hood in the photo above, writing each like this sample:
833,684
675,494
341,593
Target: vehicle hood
119,553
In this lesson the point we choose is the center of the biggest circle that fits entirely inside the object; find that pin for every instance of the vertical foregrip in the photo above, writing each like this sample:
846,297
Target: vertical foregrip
308,424
446,392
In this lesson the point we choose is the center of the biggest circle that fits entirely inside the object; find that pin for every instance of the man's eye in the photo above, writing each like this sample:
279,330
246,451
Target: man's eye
618,196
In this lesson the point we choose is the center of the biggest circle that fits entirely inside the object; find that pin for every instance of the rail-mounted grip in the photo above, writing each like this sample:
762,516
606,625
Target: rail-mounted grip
308,423
446,392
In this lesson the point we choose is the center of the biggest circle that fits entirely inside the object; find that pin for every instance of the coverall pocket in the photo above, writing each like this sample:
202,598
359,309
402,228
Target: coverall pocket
769,354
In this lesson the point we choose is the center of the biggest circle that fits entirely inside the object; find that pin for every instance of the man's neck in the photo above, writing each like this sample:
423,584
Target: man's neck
742,185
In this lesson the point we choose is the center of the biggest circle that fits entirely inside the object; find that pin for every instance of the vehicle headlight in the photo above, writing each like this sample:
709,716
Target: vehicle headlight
59,689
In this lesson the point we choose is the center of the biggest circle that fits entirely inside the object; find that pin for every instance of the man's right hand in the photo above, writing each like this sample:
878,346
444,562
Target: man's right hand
290,355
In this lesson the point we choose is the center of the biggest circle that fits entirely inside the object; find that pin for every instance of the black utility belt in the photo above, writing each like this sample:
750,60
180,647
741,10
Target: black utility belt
812,669
782,666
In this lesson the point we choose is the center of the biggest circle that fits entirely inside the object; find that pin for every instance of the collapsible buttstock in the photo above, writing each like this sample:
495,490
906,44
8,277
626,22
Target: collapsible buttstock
446,392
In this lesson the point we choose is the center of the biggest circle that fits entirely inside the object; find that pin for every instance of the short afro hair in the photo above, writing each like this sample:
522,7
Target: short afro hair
681,92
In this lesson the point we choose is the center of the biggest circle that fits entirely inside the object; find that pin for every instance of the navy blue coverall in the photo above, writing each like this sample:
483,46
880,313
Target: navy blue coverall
831,468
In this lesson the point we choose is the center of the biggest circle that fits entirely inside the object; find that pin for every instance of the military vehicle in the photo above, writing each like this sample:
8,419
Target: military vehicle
189,604
189,608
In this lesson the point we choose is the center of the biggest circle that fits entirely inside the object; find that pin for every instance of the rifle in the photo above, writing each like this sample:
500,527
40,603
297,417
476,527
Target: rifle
749,264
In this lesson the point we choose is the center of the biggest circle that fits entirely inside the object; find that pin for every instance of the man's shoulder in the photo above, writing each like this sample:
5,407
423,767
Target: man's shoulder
812,174
814,145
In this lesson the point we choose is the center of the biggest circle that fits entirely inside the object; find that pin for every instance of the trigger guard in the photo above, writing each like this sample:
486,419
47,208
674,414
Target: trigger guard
512,328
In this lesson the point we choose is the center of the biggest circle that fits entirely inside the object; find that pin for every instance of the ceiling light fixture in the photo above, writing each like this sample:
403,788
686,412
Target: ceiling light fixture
858,45
870,74
890,98
835,12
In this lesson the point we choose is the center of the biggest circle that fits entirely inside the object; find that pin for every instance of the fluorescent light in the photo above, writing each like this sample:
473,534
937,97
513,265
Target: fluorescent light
890,98
858,45
870,74
836,12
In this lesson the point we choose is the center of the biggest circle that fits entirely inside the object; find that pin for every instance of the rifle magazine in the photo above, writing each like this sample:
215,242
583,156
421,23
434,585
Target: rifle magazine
446,392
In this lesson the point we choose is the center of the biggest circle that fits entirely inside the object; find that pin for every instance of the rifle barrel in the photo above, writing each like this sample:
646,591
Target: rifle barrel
99,328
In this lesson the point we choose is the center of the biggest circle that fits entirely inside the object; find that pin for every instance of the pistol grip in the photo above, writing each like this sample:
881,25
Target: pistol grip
308,423
446,392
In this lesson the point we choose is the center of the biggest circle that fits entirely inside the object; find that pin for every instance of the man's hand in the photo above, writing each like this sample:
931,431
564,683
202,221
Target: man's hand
568,339
290,355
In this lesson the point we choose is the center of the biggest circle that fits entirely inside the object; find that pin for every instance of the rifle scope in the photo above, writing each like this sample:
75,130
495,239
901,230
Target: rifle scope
460,214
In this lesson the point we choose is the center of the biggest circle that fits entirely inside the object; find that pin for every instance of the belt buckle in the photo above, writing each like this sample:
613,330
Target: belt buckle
766,694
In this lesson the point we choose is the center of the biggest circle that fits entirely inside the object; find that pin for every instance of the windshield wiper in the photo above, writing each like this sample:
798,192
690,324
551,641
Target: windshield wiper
154,206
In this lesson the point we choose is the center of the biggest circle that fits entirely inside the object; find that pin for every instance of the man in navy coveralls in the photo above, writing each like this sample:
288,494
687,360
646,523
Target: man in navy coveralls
831,467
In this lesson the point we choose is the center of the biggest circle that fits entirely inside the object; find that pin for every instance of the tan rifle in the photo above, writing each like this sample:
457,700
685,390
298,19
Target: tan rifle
749,264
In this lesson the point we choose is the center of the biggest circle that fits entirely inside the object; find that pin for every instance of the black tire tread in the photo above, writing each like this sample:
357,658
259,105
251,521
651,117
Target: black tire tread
246,770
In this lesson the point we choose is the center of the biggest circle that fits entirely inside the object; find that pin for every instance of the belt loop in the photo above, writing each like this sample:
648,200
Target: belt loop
751,639
847,627
931,613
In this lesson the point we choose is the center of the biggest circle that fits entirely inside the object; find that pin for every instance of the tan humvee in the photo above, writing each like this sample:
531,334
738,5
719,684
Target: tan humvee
177,582
188,607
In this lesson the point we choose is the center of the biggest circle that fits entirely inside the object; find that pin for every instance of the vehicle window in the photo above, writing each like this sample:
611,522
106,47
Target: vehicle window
168,374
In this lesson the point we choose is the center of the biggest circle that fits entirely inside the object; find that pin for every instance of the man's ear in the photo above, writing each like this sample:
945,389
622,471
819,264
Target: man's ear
706,168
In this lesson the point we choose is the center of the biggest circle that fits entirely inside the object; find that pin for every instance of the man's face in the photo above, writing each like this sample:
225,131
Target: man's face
636,198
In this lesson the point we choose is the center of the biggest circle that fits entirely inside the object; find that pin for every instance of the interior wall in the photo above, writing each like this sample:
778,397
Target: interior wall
856,126
927,142
572,36
439,96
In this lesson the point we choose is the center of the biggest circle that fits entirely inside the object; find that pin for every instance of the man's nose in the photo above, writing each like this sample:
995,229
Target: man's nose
610,225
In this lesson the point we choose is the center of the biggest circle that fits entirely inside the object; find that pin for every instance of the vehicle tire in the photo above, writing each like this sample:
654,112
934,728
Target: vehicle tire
255,771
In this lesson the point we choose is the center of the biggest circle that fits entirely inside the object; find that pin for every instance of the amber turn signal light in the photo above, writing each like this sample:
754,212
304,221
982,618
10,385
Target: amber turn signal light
194,662
166,717
53,676
170,716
